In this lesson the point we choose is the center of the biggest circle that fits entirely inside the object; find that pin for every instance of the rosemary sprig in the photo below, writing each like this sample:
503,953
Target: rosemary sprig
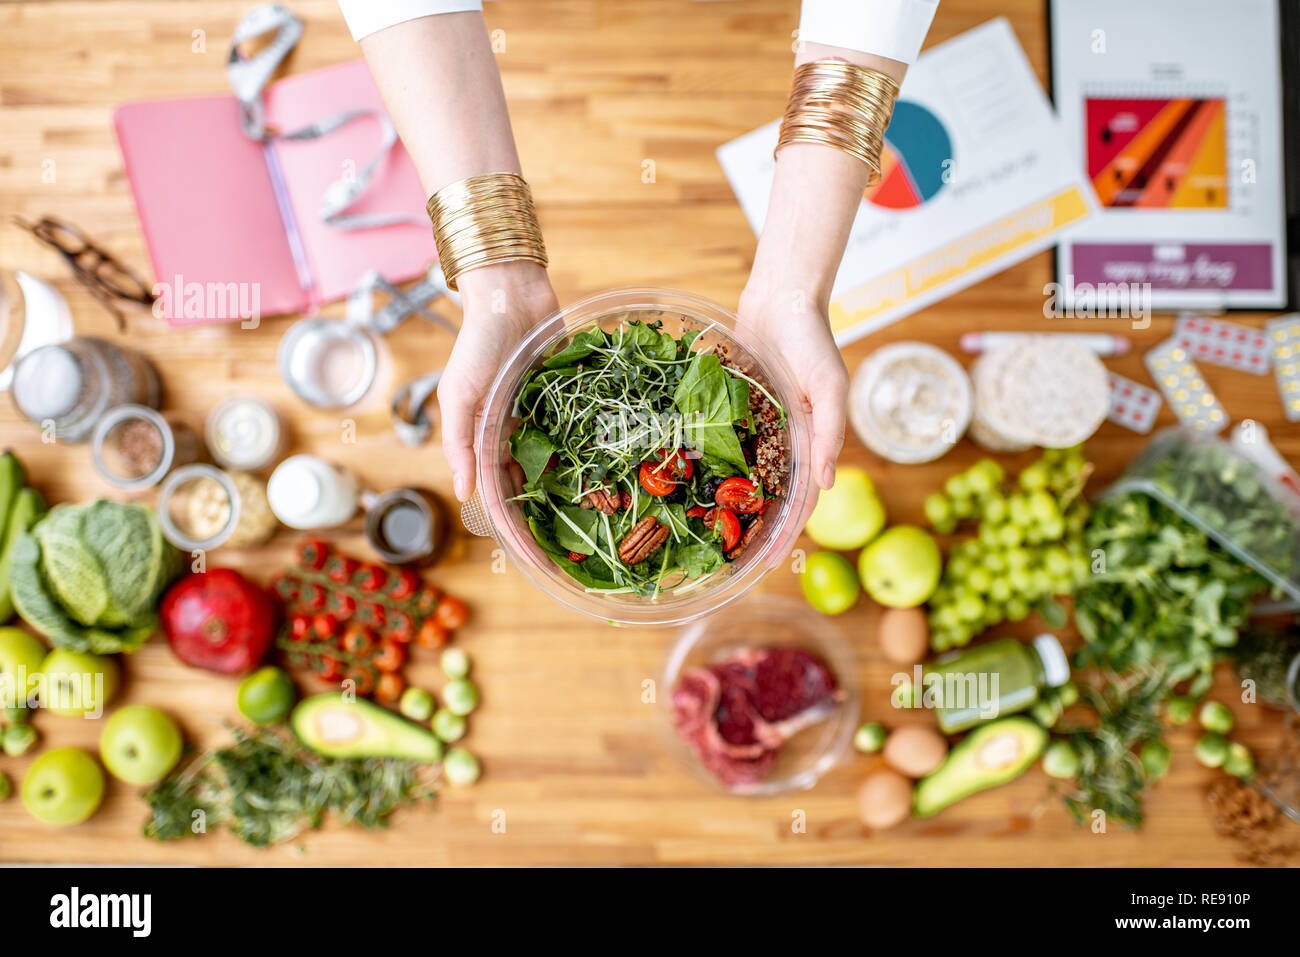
267,789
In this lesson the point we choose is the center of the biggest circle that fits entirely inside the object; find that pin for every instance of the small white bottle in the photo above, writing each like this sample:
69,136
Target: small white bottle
307,492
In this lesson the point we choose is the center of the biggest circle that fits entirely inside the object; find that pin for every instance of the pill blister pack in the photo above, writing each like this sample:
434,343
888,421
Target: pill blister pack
1222,343
1132,404
1283,336
1184,388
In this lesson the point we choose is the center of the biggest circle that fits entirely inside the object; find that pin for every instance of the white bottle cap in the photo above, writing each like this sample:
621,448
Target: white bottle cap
1056,667
294,492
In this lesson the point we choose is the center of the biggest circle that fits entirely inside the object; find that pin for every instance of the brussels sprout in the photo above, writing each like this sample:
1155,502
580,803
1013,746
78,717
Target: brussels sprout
447,726
1240,763
455,663
870,738
1060,760
460,696
1178,709
18,739
461,767
1155,757
1212,749
1216,717
416,704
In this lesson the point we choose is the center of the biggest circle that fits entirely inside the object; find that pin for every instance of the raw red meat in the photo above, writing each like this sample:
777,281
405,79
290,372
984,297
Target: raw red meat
737,713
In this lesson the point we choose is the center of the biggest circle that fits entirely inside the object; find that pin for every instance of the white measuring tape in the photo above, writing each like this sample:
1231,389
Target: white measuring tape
249,76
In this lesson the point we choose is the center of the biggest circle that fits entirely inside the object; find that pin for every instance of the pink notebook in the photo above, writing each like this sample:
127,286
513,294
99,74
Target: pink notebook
206,197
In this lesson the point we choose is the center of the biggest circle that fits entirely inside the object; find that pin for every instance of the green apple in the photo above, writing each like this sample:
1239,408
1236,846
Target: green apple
139,744
78,684
901,568
848,514
63,786
829,583
20,653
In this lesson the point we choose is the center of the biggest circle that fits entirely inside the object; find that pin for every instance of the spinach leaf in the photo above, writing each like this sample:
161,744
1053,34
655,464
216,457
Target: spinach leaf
582,345
704,399
532,449
641,340
697,559
575,528
739,392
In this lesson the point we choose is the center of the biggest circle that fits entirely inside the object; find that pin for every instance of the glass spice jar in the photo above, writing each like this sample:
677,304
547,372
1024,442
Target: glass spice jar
67,387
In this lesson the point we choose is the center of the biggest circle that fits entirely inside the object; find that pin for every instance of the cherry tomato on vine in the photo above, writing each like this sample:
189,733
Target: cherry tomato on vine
738,495
390,657
724,522
451,613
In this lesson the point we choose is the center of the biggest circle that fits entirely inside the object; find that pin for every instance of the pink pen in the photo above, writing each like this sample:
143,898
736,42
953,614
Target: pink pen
1099,343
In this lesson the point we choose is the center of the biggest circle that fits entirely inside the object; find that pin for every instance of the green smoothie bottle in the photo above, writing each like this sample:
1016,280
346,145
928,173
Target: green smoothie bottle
993,680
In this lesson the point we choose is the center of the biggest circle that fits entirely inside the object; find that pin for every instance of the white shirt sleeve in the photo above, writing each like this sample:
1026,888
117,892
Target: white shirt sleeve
365,17
889,28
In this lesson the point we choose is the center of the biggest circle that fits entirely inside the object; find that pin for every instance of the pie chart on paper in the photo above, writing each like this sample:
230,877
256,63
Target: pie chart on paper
916,154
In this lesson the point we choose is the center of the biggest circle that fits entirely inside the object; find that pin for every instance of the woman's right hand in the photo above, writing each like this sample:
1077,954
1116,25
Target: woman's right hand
501,304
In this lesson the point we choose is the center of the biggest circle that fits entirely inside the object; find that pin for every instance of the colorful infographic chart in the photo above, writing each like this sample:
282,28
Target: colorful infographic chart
1157,153
916,158
1174,110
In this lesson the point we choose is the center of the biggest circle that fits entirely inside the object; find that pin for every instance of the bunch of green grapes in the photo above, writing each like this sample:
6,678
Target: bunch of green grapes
1028,543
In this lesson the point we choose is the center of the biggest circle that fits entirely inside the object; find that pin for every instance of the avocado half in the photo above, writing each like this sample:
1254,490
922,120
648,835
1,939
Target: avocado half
337,727
992,754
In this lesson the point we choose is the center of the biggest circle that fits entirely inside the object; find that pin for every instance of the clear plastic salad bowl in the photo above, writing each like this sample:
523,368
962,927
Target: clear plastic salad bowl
492,513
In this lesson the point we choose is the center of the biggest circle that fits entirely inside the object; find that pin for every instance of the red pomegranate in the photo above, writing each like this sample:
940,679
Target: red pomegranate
219,620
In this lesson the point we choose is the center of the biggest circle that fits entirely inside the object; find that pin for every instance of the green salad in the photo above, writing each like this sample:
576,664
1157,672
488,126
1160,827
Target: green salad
647,462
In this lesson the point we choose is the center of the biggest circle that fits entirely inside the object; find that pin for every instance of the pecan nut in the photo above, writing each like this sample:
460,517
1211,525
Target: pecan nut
750,534
643,541
601,500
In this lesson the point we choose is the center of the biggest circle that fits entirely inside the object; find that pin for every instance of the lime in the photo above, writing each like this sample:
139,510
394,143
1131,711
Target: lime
266,695
829,582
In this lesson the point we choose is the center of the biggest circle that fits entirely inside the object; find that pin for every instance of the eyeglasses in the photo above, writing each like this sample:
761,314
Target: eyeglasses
99,271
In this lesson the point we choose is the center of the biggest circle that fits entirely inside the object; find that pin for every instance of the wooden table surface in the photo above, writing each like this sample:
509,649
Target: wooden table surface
572,763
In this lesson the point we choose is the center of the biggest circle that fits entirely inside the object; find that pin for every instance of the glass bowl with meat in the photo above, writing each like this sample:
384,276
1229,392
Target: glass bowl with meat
759,701
643,458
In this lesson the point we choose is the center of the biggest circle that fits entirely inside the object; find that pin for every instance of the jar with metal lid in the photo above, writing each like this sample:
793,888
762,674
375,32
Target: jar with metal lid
134,447
68,386
244,432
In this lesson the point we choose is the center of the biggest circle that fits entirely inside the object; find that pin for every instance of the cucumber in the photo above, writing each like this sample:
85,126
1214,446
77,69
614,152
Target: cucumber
27,508
12,477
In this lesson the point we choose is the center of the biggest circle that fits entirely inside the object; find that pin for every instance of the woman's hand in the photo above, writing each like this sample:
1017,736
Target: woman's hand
795,325
501,305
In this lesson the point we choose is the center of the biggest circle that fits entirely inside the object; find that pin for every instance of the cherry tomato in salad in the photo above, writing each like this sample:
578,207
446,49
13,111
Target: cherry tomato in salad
664,471
739,495
653,483
696,511
577,557
724,522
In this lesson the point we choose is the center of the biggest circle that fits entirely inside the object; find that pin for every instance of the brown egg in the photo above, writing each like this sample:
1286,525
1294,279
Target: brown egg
915,750
904,635
884,799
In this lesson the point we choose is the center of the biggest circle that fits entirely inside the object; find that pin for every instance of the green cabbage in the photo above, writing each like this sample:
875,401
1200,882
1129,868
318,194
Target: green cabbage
89,576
